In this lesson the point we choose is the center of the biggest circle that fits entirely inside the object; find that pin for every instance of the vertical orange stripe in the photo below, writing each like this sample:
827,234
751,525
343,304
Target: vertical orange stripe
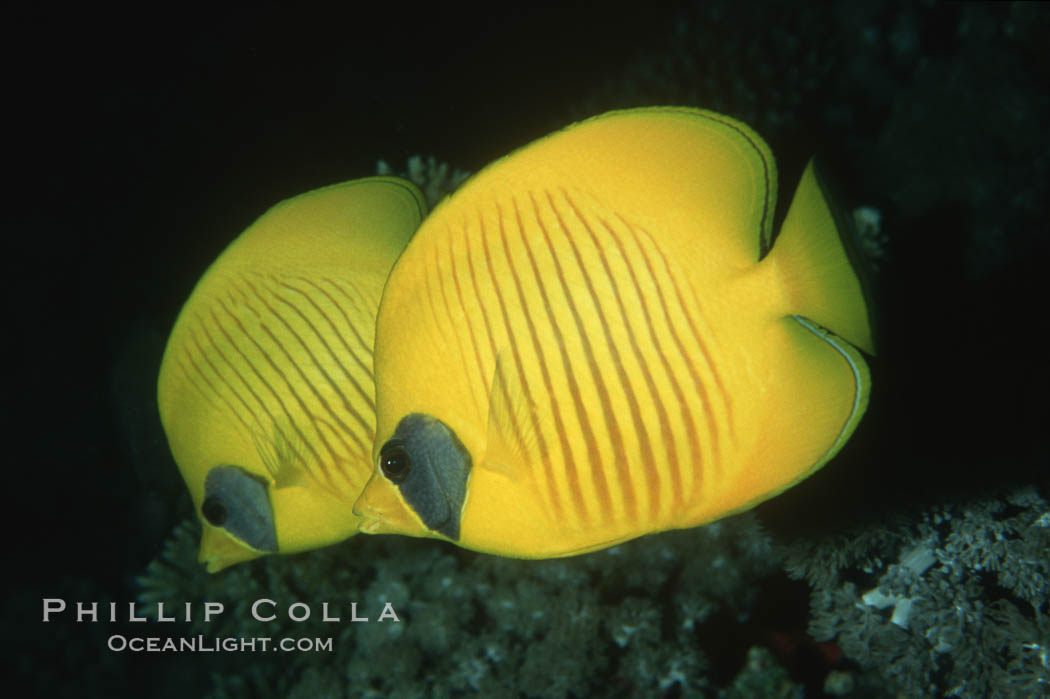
429,272
200,372
273,365
571,471
665,429
222,355
647,458
366,367
222,376
700,341
594,455
344,429
479,364
554,500
362,421
683,355
555,507
369,312
262,379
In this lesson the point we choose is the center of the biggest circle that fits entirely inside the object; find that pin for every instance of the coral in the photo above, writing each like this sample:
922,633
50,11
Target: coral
763,677
435,179
951,602
628,619
867,221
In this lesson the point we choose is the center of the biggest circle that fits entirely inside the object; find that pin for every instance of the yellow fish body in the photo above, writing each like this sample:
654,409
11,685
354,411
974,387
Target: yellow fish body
589,341
265,390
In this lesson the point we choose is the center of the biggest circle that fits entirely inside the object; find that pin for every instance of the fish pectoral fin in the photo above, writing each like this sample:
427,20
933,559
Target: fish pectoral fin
281,454
513,421
821,392
289,476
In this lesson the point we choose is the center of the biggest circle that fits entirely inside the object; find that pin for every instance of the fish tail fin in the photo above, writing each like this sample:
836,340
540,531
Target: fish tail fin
820,265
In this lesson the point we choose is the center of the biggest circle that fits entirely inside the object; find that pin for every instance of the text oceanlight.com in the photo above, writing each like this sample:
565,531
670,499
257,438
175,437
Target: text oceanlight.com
200,644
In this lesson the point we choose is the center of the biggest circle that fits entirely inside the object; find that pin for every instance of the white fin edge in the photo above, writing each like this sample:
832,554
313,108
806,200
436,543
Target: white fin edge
846,350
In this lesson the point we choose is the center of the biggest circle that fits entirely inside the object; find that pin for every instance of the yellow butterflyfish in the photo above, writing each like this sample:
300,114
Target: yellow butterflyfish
594,339
265,390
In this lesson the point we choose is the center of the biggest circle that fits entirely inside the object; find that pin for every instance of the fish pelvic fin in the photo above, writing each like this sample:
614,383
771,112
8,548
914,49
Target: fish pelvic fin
822,274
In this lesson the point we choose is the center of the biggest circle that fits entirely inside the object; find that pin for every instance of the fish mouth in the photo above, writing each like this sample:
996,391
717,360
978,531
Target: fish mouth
371,525
383,511
371,519
219,550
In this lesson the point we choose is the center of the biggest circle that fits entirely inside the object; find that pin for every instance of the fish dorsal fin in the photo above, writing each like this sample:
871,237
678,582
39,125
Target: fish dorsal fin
367,221
704,183
513,421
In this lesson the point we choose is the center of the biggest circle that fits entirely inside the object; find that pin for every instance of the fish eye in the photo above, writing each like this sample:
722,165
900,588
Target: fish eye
435,486
395,461
214,511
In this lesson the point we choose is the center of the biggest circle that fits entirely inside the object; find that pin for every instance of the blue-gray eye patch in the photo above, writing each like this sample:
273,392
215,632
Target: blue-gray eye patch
430,466
238,502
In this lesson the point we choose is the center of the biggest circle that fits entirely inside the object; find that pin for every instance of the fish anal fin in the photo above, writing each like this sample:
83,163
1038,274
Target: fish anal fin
813,403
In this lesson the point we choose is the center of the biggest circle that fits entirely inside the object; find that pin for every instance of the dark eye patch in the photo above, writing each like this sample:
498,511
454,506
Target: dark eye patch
430,466
238,502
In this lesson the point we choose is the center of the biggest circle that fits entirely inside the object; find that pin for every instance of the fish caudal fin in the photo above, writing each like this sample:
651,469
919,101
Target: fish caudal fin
814,262
822,382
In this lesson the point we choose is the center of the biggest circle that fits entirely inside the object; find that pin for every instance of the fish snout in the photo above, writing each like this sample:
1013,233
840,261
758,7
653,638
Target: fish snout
383,510
218,550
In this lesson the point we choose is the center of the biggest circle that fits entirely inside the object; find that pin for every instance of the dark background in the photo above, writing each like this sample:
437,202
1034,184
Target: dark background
138,146
143,149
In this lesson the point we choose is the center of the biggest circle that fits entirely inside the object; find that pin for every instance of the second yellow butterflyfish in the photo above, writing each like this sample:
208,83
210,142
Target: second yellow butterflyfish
265,389
594,339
